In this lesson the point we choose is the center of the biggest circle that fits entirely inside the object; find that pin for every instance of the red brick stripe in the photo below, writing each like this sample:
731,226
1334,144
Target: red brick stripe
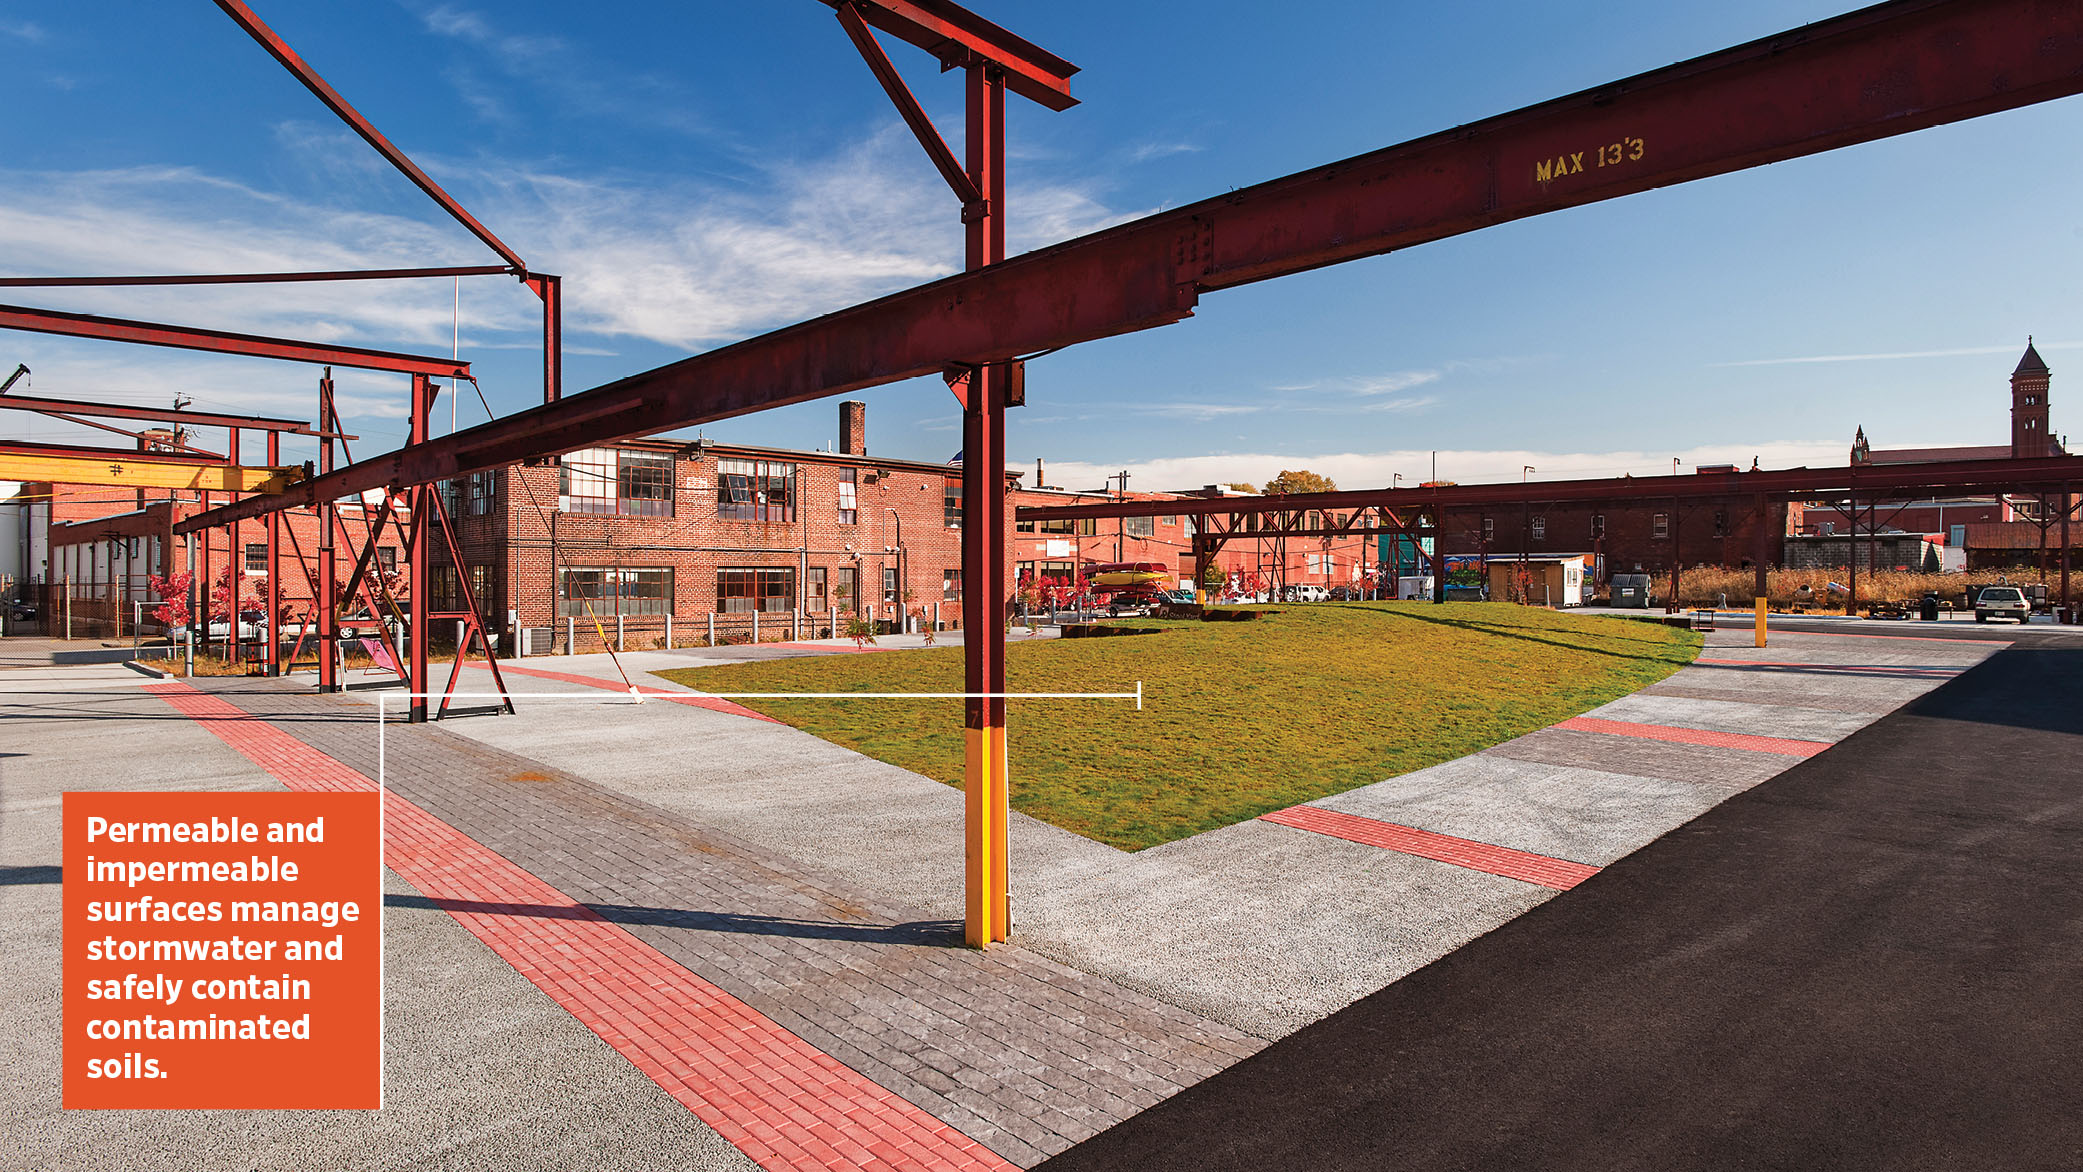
709,702
1882,668
1525,866
1695,736
782,1102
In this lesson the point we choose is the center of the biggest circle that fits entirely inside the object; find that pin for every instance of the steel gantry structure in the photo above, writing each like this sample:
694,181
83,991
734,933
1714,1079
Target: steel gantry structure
1420,511
1886,70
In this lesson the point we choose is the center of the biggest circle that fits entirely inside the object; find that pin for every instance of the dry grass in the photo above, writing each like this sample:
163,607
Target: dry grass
1705,585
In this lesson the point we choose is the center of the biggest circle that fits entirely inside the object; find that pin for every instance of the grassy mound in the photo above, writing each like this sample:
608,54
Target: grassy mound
1239,718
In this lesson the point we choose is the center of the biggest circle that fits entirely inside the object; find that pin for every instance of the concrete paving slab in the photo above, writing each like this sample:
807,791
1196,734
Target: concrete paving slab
482,1071
1736,716
1641,757
1263,926
1563,811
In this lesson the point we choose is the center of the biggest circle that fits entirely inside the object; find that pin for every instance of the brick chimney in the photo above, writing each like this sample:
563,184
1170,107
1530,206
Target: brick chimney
853,428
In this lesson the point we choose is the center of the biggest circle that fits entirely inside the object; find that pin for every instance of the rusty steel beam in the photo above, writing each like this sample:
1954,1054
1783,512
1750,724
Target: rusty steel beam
115,329
1882,71
959,37
900,95
252,278
130,468
280,50
157,414
1886,481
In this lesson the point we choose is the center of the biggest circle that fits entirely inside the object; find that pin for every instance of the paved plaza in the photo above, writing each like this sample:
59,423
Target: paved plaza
673,934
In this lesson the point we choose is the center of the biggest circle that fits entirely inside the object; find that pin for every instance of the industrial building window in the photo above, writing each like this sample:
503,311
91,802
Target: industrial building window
1190,530
814,589
755,490
1489,528
481,588
1598,524
586,481
1539,525
951,585
447,595
387,558
889,583
755,588
1169,521
451,496
646,483
481,491
1137,527
1660,526
849,496
951,502
614,590
606,482
1088,526
257,558
1721,523
1059,573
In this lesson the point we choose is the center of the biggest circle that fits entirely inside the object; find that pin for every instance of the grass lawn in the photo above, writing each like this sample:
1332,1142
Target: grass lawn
1238,718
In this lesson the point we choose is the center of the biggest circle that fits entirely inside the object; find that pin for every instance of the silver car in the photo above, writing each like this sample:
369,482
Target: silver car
2005,602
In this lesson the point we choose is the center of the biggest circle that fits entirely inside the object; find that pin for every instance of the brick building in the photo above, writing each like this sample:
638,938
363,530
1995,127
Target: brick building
1621,540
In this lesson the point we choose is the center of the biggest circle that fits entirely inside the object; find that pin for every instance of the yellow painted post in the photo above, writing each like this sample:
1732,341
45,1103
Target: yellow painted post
1761,622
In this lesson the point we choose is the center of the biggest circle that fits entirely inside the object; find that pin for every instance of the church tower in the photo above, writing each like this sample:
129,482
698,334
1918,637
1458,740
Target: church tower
2029,434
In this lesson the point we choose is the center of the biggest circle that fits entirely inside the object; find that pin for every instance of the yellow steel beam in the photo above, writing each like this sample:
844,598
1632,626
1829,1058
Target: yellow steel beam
157,472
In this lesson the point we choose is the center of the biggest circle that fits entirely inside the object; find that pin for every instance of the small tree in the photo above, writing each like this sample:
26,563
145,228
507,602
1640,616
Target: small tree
173,612
1299,480
860,629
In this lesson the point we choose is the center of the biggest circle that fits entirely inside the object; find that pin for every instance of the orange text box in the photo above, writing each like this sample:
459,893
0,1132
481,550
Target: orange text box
223,950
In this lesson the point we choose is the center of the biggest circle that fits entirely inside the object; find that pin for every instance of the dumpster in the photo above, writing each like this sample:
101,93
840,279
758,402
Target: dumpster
1927,609
1631,590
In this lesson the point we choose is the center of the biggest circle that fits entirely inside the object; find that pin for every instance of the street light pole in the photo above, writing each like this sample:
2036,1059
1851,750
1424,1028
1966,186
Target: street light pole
903,617
1525,536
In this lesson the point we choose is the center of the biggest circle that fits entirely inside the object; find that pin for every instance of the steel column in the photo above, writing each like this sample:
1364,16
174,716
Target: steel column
986,809
272,597
328,599
419,550
234,568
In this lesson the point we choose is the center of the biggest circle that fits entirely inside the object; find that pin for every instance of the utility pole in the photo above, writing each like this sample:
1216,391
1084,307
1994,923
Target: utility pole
1120,523
1525,535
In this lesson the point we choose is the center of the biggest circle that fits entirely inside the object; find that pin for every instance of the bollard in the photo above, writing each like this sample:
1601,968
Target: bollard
618,635
460,648
795,626
712,628
1761,622
755,627
669,631
571,635
835,623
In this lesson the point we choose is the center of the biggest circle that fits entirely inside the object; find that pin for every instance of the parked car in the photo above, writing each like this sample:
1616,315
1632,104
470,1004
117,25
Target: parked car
2007,602
1305,593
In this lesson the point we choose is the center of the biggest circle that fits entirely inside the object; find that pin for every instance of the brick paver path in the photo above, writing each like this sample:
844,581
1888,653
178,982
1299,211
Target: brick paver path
1020,1053
1525,866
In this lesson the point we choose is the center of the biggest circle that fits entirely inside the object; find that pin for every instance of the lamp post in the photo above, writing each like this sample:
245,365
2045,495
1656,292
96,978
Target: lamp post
903,619
1525,535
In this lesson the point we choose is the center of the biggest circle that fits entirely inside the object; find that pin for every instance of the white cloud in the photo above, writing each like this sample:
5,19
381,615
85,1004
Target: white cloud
1358,470
2008,348
25,30
1158,150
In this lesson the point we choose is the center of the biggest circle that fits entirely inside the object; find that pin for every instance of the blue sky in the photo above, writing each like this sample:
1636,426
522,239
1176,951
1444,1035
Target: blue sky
704,172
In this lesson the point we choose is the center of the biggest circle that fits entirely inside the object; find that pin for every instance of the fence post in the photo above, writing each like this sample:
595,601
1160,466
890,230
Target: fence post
669,630
620,642
712,628
755,628
571,635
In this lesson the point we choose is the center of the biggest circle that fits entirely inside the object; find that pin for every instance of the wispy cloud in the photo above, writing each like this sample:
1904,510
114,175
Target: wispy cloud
25,30
1895,355
1158,150
1387,383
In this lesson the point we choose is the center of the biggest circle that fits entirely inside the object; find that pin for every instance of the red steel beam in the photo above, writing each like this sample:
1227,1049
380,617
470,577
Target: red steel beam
1868,480
1868,75
959,37
922,127
253,278
280,50
114,329
158,414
